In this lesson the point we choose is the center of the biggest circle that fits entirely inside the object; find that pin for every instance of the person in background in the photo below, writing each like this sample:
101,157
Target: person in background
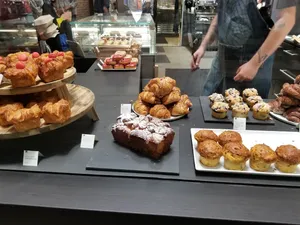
36,8
101,6
66,5
246,45
49,9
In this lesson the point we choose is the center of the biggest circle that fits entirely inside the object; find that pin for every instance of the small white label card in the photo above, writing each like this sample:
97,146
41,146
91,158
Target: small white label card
30,158
87,141
125,109
1,77
239,123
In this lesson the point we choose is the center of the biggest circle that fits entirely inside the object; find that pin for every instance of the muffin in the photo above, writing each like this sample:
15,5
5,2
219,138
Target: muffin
288,157
261,111
219,110
232,91
229,136
232,99
203,135
249,92
252,100
240,110
235,156
215,97
210,153
261,157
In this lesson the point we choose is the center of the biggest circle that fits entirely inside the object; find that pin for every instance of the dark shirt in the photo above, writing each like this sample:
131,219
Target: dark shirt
99,4
48,9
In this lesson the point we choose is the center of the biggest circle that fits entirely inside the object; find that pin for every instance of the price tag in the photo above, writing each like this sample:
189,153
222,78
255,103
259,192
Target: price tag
125,109
87,141
239,123
30,158
1,77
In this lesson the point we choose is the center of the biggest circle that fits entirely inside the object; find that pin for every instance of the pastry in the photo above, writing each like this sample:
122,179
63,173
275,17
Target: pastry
134,61
297,80
252,100
161,86
67,58
149,97
240,110
179,109
215,97
185,99
229,136
107,66
51,69
121,53
261,111
126,60
203,135
174,96
293,114
261,157
6,110
232,99
146,88
232,91
117,57
235,156
14,58
210,153
2,64
141,108
219,110
119,67
292,90
276,107
144,134
249,92
26,119
160,111
130,66
58,112
288,157
287,102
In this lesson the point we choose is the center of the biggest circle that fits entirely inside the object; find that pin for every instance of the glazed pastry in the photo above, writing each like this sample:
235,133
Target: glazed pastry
261,111
185,99
148,97
130,66
210,153
107,66
174,96
58,112
117,57
161,86
219,110
229,136
232,91
160,111
235,156
252,100
67,58
26,119
141,108
292,90
287,102
288,157
121,53
179,109
51,69
215,97
240,110
14,58
232,99
249,92
203,135
119,67
276,107
262,156
134,61
6,110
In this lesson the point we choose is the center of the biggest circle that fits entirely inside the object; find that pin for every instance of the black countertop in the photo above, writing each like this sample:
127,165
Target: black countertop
118,196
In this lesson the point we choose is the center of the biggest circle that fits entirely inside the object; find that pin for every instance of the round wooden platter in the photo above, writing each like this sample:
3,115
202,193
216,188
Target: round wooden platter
7,89
83,101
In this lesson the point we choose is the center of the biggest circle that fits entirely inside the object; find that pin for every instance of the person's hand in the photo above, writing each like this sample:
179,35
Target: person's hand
67,16
246,72
197,56
105,9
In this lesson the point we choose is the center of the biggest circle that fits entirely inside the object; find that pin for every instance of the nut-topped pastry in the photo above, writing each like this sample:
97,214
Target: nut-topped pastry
288,157
235,156
219,110
252,100
215,97
210,153
261,111
232,99
249,92
262,156
231,91
240,110
229,136
203,135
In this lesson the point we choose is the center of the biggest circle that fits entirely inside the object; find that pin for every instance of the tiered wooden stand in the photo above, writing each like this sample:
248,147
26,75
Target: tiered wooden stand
81,99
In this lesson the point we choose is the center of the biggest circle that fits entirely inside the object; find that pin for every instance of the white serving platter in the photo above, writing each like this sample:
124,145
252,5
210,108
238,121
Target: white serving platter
283,119
251,138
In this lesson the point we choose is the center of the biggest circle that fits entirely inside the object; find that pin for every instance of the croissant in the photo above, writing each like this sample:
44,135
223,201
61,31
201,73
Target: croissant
292,90
58,112
176,89
297,80
6,111
161,86
146,88
160,111
179,109
185,99
174,96
287,102
141,108
148,97
170,80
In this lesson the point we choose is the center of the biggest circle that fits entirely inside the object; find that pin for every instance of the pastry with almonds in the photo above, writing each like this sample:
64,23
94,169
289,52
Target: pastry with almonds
58,112
261,111
210,153
141,108
203,135
288,158
160,111
51,69
6,110
249,92
232,91
261,157
235,156
219,110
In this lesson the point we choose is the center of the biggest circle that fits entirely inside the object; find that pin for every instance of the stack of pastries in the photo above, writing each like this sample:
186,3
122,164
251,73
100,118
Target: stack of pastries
288,101
240,105
120,61
161,98
229,144
22,68
25,112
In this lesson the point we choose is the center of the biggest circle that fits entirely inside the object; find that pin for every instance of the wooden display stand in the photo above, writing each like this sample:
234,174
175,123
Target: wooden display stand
81,100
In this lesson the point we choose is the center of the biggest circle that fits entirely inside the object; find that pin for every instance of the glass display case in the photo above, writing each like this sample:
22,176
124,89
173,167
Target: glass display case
138,27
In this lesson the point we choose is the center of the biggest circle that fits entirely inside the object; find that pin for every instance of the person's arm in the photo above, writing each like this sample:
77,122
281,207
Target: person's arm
209,39
282,27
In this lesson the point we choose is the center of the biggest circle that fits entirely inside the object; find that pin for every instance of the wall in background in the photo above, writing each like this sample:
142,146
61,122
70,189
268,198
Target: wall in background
84,8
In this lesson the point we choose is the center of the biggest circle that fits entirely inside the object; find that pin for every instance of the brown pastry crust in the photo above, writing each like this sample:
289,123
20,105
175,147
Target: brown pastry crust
180,108
292,90
276,107
210,149
229,136
236,151
263,152
160,111
52,70
289,154
174,96
203,135
5,112
149,97
185,99
287,102
58,112
161,86
141,108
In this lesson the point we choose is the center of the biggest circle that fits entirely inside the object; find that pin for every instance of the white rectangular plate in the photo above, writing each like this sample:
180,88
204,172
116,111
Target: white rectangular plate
251,138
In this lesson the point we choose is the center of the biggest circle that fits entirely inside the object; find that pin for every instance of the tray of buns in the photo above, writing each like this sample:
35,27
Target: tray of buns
248,104
109,41
120,61
246,152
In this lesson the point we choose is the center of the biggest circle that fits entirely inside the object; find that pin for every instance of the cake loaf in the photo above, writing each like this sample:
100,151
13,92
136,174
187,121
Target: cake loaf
144,134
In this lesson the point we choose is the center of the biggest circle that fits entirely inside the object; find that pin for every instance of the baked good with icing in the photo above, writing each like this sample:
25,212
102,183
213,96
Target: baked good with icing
145,134
203,135
249,92
119,67
160,111
219,110
240,110
141,108
58,112
232,91
288,158
261,157
235,156
51,68
210,153
229,136
261,111
6,110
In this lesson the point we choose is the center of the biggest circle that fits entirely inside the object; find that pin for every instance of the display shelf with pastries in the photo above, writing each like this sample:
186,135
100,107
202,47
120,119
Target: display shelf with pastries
35,96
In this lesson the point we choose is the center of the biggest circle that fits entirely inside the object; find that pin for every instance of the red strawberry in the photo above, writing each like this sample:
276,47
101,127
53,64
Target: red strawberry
52,56
35,55
47,60
22,57
20,65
